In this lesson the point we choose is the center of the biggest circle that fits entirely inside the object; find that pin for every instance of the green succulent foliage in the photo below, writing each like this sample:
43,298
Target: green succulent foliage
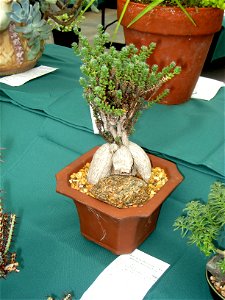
114,80
203,223
59,27
30,23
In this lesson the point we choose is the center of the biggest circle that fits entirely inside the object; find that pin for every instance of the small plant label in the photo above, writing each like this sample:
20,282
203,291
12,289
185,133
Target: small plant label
206,88
128,277
21,78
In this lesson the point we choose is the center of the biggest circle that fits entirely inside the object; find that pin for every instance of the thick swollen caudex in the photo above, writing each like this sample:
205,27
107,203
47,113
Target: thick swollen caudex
112,159
141,161
101,164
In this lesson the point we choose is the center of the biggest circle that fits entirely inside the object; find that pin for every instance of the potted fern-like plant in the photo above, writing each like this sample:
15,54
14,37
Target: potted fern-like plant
182,29
111,183
203,224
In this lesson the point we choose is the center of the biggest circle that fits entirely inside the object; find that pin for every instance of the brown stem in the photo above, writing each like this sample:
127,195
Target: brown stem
222,252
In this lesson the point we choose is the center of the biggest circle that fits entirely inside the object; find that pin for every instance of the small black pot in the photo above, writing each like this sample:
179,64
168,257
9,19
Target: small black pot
64,38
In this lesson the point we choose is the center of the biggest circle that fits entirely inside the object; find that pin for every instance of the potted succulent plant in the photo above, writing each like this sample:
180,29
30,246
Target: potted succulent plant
182,29
22,35
203,224
111,183
24,30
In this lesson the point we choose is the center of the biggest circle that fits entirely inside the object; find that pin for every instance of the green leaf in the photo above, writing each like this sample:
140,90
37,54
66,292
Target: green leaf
145,10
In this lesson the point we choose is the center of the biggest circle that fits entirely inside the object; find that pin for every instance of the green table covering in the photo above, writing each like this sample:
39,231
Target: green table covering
219,51
45,125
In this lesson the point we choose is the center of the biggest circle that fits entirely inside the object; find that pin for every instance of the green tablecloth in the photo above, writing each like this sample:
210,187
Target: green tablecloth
44,126
219,50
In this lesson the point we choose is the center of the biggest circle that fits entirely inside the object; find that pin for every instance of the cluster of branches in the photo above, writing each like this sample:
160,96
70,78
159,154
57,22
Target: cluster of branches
59,9
118,85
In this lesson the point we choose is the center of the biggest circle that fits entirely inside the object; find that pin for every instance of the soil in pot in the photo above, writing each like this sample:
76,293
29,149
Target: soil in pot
119,190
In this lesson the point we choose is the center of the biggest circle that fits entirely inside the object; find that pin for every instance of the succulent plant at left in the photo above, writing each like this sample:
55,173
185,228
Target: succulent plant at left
27,19
23,32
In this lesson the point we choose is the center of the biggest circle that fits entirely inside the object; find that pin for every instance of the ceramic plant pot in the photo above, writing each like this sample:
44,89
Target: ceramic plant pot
13,61
176,38
215,294
118,230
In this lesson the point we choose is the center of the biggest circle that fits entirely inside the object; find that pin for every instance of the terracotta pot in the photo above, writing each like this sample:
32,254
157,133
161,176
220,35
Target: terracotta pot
177,40
118,230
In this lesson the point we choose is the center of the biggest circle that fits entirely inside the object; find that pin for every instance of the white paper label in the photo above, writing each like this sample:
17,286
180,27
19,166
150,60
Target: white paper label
128,277
21,78
206,88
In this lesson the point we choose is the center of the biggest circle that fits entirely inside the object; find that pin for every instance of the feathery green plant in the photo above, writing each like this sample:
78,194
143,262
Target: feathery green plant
203,223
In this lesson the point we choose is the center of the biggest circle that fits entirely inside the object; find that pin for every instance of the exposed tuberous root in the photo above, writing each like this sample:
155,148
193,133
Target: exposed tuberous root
101,163
141,161
112,159
122,161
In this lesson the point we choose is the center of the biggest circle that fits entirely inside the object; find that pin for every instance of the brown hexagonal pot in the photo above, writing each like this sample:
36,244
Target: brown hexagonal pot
118,230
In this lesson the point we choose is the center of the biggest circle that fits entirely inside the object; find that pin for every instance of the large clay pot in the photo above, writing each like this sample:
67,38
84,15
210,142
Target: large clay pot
177,40
11,62
118,230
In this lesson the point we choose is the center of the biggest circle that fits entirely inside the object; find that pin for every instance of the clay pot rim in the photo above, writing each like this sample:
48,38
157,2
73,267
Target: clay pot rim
63,187
168,8
160,20
175,8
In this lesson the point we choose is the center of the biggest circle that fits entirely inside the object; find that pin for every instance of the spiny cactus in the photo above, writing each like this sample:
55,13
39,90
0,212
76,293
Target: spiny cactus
8,262
7,223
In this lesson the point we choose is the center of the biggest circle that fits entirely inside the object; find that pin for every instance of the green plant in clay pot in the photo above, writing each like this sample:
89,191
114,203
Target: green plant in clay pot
119,85
111,186
182,29
204,224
